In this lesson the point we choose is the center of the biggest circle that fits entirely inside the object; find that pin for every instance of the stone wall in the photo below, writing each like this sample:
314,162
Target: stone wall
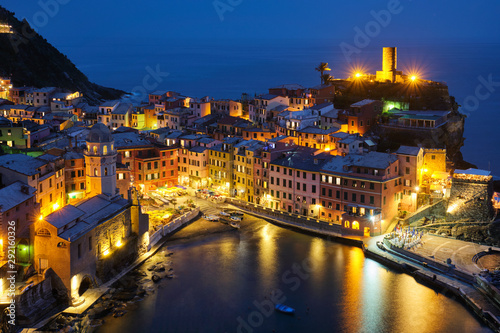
437,209
470,201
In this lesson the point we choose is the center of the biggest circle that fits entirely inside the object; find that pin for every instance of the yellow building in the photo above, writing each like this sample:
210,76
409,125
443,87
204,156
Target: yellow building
220,165
45,173
244,156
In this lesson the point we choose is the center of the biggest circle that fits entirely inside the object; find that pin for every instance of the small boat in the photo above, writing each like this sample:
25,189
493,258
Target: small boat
224,220
223,213
237,214
235,224
211,218
236,218
284,309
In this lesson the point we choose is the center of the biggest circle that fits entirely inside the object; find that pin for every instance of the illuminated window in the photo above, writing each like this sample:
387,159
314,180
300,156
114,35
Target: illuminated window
346,224
95,149
355,225
105,171
105,150
95,171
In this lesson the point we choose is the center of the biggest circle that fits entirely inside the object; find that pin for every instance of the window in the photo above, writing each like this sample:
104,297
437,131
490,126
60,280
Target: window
79,251
362,198
433,157
72,163
372,186
105,171
407,159
304,187
105,150
73,174
314,189
43,232
353,197
345,195
407,170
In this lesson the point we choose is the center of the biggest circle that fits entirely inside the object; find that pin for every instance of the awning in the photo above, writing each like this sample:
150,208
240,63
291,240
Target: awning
440,175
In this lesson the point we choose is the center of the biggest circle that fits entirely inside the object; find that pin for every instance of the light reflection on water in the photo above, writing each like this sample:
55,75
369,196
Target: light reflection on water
221,277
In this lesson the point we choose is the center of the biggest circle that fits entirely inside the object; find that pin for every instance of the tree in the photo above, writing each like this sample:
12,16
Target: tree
327,79
322,68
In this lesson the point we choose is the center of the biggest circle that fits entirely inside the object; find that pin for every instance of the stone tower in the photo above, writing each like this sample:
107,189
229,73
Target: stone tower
100,162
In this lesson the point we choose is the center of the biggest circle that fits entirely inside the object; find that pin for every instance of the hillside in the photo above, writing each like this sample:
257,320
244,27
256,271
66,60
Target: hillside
30,60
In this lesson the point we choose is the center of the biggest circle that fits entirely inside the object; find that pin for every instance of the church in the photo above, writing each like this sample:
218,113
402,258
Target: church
85,243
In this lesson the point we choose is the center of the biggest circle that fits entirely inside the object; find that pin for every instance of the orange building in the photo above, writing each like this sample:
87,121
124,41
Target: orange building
151,164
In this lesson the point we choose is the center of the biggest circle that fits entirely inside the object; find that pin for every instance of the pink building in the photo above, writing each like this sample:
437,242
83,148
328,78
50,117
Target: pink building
295,180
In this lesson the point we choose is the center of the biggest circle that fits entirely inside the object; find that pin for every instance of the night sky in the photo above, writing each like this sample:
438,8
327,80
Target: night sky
92,21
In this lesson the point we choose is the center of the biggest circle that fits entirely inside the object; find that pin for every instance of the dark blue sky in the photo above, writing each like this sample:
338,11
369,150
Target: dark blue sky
92,21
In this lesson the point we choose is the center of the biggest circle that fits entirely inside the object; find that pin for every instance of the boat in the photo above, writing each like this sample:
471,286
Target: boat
237,214
223,213
211,218
224,220
236,218
235,224
284,309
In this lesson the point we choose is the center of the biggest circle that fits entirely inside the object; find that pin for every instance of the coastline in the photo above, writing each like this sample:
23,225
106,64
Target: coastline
430,277
460,287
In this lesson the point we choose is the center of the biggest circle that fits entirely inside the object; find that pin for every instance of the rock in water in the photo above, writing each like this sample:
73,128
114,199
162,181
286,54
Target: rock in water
155,278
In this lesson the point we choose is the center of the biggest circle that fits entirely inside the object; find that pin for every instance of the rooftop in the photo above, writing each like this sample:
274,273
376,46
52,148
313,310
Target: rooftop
303,158
76,221
363,103
373,160
408,150
24,164
13,195
123,108
266,96
472,171
109,104
291,86
198,149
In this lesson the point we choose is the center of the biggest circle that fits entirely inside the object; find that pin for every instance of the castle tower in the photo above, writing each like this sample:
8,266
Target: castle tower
389,59
100,162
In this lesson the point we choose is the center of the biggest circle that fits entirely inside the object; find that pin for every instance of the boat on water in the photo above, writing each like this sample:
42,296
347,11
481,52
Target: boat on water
224,220
237,214
284,309
235,224
223,213
211,218
236,219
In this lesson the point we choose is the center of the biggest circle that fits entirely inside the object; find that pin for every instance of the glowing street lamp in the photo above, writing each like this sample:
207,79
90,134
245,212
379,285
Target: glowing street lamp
413,78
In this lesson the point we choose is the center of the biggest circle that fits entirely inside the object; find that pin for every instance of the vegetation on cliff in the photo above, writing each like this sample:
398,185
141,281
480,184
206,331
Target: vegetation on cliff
30,60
